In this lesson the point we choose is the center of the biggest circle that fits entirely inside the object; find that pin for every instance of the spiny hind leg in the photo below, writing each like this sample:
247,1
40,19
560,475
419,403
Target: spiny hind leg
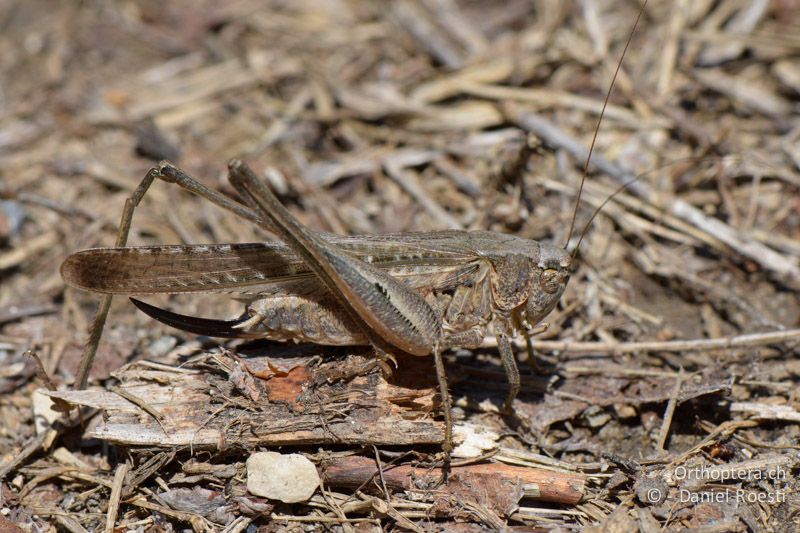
171,174
463,339
166,172
447,444
99,321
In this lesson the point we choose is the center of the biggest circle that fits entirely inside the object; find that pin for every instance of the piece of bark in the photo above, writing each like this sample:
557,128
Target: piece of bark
483,481
341,400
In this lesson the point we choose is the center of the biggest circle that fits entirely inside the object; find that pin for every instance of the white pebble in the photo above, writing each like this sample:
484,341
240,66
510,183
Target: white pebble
475,440
288,478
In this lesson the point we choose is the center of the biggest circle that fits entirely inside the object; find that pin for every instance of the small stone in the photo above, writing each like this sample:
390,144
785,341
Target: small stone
289,478
596,417
475,440
624,410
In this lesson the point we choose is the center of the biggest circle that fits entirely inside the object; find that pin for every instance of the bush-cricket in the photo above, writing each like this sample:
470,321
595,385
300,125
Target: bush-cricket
419,293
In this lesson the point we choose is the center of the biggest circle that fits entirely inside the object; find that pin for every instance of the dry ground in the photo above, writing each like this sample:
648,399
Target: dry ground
371,117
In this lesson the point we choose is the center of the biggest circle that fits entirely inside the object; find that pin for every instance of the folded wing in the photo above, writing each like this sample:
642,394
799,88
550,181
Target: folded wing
253,269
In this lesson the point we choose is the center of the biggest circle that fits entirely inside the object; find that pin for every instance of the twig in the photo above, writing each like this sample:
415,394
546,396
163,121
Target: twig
548,485
384,508
380,474
718,433
69,523
237,526
198,523
15,312
677,22
28,248
449,16
40,371
411,184
323,519
765,411
116,493
697,345
32,447
785,268
670,410
415,21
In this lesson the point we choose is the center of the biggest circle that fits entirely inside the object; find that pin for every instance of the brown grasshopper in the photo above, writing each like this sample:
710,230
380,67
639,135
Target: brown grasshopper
418,293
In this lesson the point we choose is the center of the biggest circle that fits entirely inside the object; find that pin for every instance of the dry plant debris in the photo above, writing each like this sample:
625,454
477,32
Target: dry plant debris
662,395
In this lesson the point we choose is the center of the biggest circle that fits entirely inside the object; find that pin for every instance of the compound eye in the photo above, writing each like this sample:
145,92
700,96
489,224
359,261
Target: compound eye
550,282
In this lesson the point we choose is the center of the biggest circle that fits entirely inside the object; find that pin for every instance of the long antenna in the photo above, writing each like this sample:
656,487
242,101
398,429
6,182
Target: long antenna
597,128
600,208
692,159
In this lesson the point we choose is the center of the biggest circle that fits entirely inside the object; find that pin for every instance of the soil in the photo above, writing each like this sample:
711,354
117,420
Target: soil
661,395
